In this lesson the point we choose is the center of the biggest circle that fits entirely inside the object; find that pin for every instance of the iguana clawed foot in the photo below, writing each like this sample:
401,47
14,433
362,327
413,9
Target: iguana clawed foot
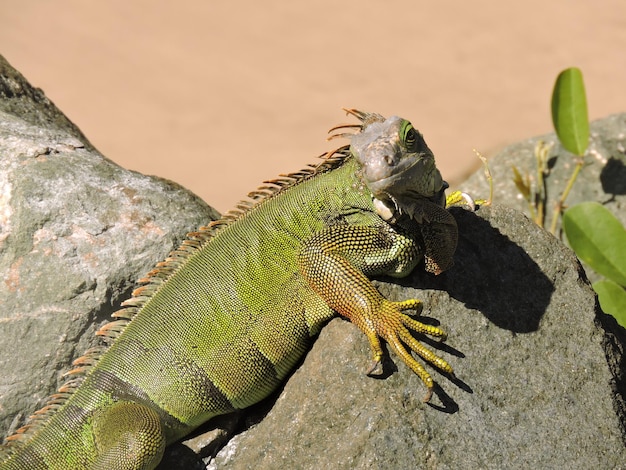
394,327
459,198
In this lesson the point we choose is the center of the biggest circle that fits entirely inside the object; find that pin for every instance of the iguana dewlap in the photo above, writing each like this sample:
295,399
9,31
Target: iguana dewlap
222,321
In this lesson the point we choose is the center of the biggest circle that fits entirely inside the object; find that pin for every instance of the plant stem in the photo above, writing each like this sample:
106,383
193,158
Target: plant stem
561,203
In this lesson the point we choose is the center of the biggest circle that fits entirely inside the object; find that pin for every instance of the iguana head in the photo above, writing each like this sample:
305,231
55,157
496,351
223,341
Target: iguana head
399,169
397,165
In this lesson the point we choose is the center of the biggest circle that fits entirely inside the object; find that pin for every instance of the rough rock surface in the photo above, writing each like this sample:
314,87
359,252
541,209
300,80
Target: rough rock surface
76,231
534,387
603,179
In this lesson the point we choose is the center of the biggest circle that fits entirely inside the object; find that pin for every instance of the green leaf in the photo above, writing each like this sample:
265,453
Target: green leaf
598,238
612,300
569,111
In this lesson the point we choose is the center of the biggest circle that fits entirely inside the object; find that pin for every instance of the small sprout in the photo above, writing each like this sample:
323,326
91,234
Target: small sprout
483,202
522,183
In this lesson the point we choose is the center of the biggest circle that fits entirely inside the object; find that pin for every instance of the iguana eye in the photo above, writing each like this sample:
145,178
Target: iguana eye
408,136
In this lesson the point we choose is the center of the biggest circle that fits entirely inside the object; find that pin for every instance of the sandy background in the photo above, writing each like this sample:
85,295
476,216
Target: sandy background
221,95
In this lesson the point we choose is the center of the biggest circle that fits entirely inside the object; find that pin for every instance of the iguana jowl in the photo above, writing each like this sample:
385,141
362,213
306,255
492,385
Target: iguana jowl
221,322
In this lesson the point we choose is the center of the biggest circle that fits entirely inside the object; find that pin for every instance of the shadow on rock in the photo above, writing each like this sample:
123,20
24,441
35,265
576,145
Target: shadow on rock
493,274
613,177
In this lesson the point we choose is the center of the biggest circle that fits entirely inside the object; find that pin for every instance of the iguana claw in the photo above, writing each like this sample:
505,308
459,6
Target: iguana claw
394,327
459,198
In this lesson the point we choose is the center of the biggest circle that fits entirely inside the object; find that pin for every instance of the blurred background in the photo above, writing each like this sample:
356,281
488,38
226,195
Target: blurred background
219,96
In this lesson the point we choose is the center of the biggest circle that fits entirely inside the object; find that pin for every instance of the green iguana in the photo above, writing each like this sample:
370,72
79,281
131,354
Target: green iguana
220,323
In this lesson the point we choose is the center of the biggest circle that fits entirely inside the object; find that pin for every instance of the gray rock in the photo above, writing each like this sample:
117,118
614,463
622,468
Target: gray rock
21,100
603,179
533,386
76,231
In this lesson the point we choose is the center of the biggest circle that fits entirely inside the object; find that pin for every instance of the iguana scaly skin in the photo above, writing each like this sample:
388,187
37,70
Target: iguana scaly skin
222,321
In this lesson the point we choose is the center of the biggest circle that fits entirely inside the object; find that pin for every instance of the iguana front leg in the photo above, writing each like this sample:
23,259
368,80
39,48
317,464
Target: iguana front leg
335,262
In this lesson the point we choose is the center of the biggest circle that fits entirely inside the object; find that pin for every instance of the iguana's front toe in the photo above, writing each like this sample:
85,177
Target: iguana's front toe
390,323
